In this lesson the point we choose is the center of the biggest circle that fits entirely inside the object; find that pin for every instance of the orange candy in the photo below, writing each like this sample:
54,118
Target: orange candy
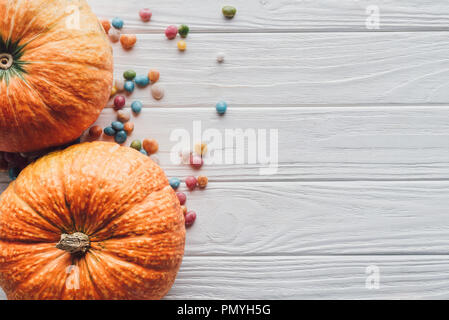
95,132
153,75
106,25
128,41
128,127
151,146
202,181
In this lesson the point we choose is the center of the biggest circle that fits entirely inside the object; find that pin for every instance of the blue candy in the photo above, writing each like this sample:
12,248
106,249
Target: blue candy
13,173
129,86
142,81
174,183
136,106
121,136
221,107
142,151
117,23
117,126
109,131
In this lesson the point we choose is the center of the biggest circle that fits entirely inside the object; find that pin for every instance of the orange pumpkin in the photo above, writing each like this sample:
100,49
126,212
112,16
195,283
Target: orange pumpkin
96,221
55,72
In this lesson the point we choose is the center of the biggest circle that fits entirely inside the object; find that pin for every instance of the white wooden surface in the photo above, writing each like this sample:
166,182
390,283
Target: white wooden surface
363,122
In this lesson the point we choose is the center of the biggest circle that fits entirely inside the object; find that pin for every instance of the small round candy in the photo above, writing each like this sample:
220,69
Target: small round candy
229,11
153,75
184,210
114,35
13,173
128,127
136,144
190,218
128,41
175,183
117,126
221,107
142,81
136,106
142,151
106,25
95,132
123,116
182,45
113,91
157,91
171,32
191,182
119,102
121,137
181,197
201,149
119,84
202,181
109,131
129,86
145,14
151,146
183,30
196,161
117,23
220,57
129,75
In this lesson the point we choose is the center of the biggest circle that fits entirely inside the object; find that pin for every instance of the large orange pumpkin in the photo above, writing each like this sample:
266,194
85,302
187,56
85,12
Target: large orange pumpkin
96,221
55,72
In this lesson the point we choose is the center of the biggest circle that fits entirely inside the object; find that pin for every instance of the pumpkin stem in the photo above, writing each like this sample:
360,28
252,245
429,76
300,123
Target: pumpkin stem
6,61
73,243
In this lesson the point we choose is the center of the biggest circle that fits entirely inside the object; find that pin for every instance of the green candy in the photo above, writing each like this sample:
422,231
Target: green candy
229,11
136,144
129,75
183,30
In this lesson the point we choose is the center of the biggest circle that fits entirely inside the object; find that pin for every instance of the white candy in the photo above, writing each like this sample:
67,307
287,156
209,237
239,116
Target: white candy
157,91
220,57
119,85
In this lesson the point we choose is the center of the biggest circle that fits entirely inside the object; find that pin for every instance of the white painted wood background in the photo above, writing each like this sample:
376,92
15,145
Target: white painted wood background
363,124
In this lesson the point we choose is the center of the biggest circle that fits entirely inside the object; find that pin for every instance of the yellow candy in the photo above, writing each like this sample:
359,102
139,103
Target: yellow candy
201,149
113,91
182,45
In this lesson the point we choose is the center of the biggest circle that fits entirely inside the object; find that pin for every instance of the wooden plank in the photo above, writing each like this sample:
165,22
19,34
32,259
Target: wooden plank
291,69
344,144
312,277
280,15
341,218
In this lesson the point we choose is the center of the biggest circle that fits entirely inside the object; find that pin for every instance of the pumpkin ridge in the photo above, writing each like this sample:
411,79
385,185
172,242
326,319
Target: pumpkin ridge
92,282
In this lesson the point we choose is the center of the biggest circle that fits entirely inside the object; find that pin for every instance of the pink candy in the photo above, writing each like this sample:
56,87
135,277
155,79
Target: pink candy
119,102
196,161
145,14
191,182
190,218
181,197
171,32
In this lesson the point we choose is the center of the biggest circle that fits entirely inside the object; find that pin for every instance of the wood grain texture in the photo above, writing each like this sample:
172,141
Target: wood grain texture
294,69
278,15
311,277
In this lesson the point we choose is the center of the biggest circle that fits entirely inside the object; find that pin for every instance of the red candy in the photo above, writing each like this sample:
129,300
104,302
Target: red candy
171,32
196,161
119,102
191,182
181,197
190,218
145,14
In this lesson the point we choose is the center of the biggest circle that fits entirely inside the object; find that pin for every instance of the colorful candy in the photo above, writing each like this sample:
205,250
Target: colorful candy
174,183
145,14
119,102
114,35
142,81
182,45
117,23
136,144
123,116
121,137
151,146
221,107
136,106
191,182
13,173
171,32
117,126
202,181
181,197
153,75
157,91
128,127
183,30
196,161
129,75
142,151
220,57
128,41
113,91
190,218
229,11
184,210
106,25
109,131
201,149
119,84
95,132
129,86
